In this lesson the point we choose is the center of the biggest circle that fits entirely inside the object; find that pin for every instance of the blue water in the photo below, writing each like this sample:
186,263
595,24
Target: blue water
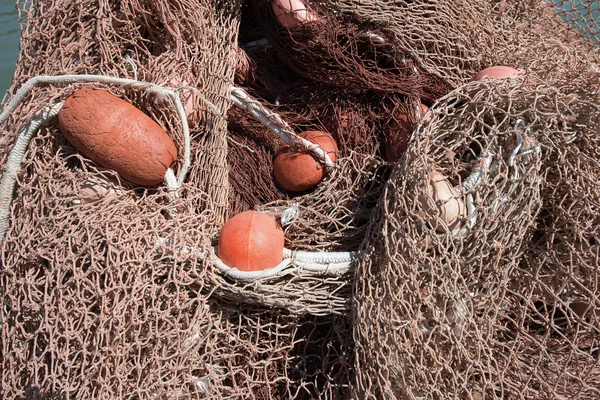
587,17
589,14
9,43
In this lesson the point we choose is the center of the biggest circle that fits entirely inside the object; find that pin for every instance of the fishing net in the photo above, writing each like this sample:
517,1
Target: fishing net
111,290
342,53
106,288
504,305
452,41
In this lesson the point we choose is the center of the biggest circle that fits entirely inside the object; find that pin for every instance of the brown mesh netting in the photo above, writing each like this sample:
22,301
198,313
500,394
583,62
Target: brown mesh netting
509,308
453,40
341,53
106,290
92,305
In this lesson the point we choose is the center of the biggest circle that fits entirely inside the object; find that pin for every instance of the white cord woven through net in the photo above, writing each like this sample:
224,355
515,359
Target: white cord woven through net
15,158
274,122
13,162
335,263
318,262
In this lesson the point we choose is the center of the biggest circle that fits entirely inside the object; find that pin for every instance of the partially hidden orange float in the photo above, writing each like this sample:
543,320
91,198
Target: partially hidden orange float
401,130
292,14
497,72
297,171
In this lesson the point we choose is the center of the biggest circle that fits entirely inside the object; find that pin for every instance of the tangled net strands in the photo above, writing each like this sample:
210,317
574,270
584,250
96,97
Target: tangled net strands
93,305
429,283
452,41
509,310
339,52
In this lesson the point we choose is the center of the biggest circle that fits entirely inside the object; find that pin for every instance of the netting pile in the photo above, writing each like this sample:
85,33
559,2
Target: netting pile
93,306
106,287
507,305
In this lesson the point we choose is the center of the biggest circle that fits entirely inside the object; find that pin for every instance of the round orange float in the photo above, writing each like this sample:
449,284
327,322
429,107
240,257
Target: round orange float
251,241
297,171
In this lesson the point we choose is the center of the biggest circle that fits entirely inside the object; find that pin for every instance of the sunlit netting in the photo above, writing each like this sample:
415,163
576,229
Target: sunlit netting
333,217
551,322
443,39
507,307
109,290
536,39
454,40
101,295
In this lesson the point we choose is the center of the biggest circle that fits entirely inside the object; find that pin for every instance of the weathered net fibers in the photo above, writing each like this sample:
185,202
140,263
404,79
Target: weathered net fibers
509,310
91,306
109,290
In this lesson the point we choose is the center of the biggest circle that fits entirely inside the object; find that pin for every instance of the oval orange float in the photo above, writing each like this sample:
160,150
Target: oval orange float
116,135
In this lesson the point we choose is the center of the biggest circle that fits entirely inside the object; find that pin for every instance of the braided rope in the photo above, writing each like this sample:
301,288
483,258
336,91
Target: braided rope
322,262
170,181
273,121
322,257
15,159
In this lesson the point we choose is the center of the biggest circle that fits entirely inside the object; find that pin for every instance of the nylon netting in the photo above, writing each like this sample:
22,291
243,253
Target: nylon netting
502,304
509,310
92,305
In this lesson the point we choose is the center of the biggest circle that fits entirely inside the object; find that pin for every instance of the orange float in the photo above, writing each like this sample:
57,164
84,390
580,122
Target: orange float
251,241
497,72
189,100
297,171
116,135
292,14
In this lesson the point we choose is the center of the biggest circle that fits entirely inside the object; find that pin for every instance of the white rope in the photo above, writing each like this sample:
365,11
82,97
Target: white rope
479,174
324,268
186,137
290,215
321,257
15,159
251,275
134,66
171,182
273,121
323,262
525,145
469,185
28,86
